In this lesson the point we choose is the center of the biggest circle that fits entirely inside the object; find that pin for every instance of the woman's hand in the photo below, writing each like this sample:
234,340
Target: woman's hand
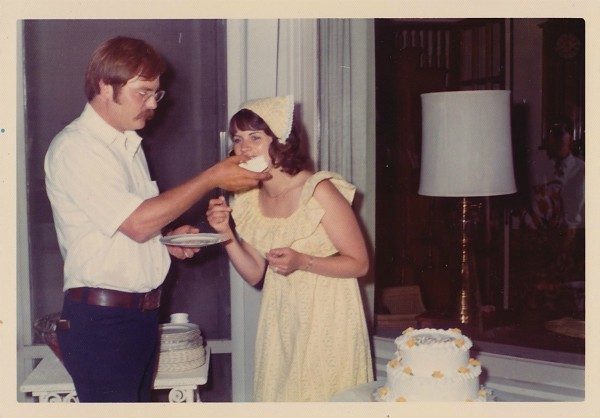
218,215
182,252
285,261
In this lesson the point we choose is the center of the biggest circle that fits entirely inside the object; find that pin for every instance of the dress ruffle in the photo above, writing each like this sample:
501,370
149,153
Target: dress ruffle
265,233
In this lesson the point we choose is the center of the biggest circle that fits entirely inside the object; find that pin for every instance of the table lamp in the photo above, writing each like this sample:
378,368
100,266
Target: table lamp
466,152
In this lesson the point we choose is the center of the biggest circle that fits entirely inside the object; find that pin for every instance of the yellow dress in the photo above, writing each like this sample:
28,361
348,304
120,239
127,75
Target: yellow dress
312,339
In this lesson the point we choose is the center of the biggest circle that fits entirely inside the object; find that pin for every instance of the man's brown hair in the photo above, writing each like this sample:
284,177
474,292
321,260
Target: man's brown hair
118,60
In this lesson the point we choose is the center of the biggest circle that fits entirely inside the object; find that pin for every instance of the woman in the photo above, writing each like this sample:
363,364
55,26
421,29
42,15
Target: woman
298,231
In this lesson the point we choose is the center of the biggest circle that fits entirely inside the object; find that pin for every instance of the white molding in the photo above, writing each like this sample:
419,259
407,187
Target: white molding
23,301
236,93
251,73
533,391
24,330
265,57
552,374
219,346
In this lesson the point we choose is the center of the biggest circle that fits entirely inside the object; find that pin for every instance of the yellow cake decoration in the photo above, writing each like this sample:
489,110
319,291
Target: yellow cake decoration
393,363
382,391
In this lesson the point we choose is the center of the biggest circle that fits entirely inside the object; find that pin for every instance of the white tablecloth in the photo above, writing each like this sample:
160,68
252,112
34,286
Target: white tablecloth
363,393
360,393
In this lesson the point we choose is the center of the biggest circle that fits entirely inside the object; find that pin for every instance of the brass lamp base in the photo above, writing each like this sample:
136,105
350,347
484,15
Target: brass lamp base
465,315
468,298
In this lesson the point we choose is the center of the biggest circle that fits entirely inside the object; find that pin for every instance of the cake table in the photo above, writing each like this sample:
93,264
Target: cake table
362,393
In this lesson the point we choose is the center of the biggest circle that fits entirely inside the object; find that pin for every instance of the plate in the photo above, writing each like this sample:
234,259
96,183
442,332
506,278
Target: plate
192,240
178,333
170,328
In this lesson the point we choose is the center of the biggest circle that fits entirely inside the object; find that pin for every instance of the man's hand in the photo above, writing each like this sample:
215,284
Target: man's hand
182,253
230,176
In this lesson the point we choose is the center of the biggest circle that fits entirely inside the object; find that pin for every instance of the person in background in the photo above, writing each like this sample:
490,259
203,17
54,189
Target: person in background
108,216
558,206
298,231
559,203
570,181
569,172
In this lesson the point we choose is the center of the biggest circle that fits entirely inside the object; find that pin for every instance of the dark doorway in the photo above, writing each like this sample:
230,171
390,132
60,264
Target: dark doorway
181,141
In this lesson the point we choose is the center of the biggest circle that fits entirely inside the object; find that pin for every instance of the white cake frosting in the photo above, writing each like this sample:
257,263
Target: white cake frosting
257,164
432,365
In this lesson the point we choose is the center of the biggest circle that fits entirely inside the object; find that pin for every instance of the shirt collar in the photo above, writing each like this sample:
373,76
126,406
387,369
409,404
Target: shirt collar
128,141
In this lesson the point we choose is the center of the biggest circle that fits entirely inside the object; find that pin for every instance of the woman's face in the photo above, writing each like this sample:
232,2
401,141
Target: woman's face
252,143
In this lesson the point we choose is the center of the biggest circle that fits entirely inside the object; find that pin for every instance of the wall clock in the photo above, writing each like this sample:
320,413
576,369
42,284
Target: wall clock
567,45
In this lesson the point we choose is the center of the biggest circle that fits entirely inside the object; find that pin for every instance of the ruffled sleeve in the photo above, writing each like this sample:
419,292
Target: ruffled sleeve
346,189
311,236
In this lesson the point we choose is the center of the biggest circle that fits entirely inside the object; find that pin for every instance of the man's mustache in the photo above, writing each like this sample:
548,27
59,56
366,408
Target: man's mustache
146,114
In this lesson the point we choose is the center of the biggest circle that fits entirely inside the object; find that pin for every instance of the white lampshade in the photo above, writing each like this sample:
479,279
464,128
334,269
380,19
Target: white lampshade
467,148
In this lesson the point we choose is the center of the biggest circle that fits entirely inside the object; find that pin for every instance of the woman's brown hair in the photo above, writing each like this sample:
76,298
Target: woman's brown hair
118,60
290,156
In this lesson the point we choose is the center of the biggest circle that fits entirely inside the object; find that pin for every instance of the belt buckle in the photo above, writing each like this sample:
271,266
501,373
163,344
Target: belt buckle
151,300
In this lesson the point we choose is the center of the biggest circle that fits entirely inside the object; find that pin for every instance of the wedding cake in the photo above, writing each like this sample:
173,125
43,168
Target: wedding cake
432,365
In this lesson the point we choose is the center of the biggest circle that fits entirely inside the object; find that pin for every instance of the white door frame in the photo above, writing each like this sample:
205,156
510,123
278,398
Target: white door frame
265,57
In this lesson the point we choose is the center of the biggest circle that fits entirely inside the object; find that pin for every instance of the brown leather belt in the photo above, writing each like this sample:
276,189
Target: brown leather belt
114,298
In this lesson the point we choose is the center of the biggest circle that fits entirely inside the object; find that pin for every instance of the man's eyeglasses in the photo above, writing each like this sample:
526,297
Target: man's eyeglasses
146,95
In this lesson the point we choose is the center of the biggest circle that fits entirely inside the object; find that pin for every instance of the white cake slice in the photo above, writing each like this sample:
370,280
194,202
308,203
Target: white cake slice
257,164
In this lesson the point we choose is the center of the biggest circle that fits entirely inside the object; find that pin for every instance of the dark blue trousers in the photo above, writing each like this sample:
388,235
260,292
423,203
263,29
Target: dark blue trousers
110,353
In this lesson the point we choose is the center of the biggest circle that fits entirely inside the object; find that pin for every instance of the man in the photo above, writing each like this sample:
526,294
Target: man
569,178
569,171
559,203
109,215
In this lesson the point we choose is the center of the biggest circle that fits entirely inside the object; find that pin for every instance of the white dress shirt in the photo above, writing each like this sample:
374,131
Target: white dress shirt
571,177
96,177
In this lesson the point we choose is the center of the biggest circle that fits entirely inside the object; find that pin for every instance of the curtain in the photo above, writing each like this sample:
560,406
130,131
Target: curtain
297,72
344,99
346,144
